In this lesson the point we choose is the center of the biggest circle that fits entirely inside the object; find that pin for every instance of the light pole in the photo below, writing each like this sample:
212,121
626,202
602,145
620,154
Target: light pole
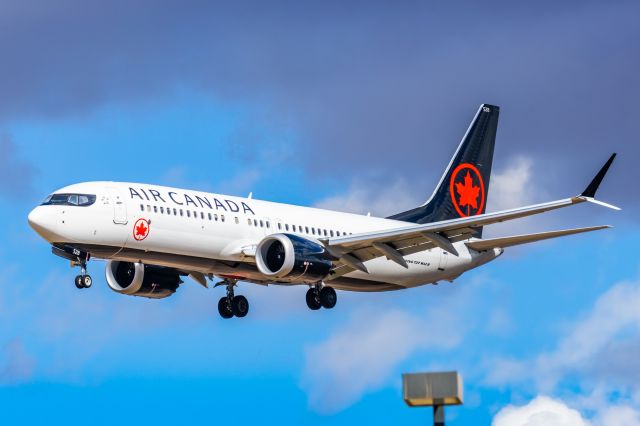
432,390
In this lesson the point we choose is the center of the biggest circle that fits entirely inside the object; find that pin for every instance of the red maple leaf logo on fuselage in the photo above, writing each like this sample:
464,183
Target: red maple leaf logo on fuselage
141,229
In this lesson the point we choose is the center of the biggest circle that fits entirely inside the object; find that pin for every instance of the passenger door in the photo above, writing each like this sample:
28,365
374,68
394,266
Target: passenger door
119,206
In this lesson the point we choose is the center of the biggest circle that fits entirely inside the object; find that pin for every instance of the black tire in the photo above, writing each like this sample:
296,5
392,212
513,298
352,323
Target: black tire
224,309
328,297
240,306
313,299
78,281
87,281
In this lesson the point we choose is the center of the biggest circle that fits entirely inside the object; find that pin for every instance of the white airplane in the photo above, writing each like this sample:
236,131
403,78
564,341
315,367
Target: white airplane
152,236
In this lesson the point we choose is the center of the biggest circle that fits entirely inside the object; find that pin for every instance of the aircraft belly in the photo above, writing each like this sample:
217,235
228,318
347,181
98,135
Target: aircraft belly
422,269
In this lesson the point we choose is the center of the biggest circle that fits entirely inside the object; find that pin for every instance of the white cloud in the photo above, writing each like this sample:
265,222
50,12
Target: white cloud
610,331
615,315
366,353
362,355
369,196
599,351
512,187
546,411
618,415
542,411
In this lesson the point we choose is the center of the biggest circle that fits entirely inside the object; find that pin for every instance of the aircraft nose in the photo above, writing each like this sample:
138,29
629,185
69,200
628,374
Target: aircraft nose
33,217
40,222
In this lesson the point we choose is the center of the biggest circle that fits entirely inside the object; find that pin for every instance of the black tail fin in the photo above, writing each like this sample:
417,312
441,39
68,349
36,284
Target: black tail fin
462,190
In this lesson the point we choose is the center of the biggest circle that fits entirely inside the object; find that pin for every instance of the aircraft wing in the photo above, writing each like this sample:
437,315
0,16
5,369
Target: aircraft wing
353,250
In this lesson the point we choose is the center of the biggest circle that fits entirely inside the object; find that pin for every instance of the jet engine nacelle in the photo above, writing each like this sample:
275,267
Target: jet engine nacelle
291,258
137,279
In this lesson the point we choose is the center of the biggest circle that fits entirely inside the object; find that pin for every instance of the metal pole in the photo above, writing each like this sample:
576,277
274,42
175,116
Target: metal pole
438,415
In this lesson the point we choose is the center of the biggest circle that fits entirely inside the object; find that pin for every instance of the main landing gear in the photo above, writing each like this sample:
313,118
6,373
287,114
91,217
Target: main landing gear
232,305
83,280
321,297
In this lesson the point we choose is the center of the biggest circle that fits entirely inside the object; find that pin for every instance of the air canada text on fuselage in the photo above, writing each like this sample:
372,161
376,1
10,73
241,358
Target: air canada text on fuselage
186,200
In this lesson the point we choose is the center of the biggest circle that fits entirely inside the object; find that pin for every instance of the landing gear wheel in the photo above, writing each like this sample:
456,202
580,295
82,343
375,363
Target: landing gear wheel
78,281
313,299
240,306
87,281
224,308
328,297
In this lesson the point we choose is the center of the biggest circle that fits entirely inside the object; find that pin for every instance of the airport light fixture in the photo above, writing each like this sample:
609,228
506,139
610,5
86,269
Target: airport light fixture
432,390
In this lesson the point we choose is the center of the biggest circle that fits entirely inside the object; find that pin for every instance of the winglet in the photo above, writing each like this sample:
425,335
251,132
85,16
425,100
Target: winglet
590,191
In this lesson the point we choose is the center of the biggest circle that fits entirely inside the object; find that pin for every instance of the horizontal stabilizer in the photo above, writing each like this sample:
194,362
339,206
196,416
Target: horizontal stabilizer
515,240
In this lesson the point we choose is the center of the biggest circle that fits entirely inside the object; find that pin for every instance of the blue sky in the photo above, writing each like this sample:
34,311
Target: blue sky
354,108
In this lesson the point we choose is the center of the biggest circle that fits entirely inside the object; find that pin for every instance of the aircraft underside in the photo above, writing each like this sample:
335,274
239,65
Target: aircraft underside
245,271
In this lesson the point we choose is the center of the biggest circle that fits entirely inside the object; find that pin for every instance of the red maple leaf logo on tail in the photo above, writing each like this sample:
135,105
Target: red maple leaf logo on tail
468,193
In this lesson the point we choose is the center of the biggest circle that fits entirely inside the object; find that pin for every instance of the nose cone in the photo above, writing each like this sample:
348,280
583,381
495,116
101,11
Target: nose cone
42,222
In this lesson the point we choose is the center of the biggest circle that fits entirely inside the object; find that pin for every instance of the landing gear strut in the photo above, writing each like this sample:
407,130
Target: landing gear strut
232,305
321,296
83,280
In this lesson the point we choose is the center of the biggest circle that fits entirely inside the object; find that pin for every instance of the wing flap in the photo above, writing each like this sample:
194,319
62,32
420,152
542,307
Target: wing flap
503,242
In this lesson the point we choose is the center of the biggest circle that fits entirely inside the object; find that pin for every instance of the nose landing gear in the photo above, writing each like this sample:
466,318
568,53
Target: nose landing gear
78,258
232,305
83,280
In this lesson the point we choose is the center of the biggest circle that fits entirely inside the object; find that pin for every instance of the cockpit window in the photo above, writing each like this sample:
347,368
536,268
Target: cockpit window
69,200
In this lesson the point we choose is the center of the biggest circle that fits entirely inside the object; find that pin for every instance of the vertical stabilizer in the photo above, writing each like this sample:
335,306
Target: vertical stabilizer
463,188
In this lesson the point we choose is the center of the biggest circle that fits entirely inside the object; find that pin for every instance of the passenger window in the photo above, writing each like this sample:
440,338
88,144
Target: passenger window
331,233
261,224
201,215
209,216
237,220
267,223
221,218
175,212
148,208
286,226
181,212
313,230
279,226
195,214
293,227
161,209
141,207
188,213
306,229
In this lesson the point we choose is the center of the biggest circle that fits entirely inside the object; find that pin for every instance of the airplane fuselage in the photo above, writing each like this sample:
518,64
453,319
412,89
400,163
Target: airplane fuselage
217,234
